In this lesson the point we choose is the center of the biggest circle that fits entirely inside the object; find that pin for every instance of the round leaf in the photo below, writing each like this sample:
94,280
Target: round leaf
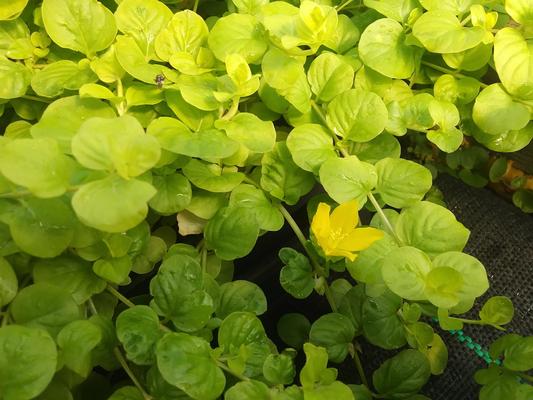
296,277
185,361
348,178
81,25
44,306
173,194
357,115
402,183
431,228
28,359
113,204
335,332
382,47
16,78
442,286
404,271
8,282
256,135
498,310
241,295
310,146
329,76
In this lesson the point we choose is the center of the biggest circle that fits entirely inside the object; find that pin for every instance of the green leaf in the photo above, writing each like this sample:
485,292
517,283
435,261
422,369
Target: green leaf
55,78
212,177
44,306
8,282
282,178
495,112
114,270
381,324
475,281
351,305
240,295
431,228
357,115
126,393
70,273
185,32
401,183
507,142
28,359
442,286
397,10
447,140
174,194
293,329
37,164
12,9
441,32
238,34
256,135
15,40
16,77
232,232
81,25
455,6
296,276
310,146
497,310
348,178
335,332
178,293
279,369
185,361
143,20
132,58
404,271
513,60
142,94
329,76
456,90
242,333
138,330
519,355
249,390
268,216
62,119
113,204
437,355
177,138
315,369
520,10
287,76
402,375
76,341
42,227
115,144
382,146
382,47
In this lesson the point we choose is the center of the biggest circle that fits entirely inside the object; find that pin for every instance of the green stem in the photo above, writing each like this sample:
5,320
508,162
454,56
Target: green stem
195,7
231,372
449,71
330,298
122,106
119,296
331,131
92,307
5,319
359,367
341,7
297,231
384,218
130,373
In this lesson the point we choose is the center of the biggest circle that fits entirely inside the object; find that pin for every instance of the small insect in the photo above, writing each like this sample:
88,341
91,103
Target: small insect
159,80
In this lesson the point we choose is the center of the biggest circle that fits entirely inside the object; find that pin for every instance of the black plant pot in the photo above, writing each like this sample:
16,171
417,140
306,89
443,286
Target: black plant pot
501,238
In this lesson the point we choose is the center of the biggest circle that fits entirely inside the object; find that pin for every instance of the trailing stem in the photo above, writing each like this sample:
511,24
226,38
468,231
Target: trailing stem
130,373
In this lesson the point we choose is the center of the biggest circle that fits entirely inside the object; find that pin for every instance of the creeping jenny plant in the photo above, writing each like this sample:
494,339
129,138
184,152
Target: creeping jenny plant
120,118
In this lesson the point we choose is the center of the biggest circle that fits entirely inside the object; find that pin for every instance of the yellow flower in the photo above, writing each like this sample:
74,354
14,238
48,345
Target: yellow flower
337,234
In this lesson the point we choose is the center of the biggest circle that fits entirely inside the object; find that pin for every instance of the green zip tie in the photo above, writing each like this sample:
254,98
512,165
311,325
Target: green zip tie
476,347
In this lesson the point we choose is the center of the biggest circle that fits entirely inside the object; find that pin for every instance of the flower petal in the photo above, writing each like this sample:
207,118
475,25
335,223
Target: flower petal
341,253
320,225
360,239
345,217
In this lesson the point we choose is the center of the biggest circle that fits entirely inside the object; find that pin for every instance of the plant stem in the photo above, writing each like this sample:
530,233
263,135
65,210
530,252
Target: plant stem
297,231
195,7
130,373
119,296
330,130
330,298
449,71
92,307
230,371
384,218
525,377
359,367
340,7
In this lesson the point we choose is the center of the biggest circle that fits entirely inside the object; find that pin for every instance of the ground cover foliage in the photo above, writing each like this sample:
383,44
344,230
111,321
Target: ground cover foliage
125,121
